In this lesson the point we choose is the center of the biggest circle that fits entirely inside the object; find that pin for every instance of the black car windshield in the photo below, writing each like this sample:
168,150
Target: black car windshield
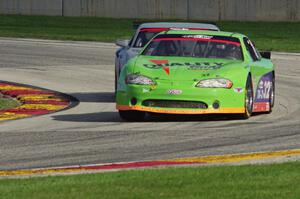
201,46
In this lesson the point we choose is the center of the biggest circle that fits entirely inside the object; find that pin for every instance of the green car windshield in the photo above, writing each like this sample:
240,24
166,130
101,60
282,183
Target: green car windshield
200,46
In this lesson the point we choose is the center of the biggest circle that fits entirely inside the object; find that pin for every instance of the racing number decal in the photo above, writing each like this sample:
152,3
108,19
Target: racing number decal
264,88
263,92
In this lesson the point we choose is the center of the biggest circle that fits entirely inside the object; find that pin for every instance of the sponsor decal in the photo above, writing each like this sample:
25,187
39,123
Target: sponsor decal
261,107
157,64
205,66
153,87
174,92
167,70
198,36
238,90
146,90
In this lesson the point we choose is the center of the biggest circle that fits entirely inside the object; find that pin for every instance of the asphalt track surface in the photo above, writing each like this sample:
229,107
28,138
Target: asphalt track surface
92,132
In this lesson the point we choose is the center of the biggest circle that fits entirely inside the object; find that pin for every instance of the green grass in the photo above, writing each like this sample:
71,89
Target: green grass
229,182
276,36
65,28
7,103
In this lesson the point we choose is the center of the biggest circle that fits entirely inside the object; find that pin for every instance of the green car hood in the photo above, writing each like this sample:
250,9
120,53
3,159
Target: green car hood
187,68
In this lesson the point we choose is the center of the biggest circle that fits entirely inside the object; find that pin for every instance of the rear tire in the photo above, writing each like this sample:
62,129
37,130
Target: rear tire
132,116
248,99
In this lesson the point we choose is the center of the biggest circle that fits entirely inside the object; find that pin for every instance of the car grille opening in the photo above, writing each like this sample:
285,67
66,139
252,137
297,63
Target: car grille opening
175,104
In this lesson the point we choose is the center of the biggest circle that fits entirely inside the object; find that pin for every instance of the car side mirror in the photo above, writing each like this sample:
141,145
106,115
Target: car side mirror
122,43
265,54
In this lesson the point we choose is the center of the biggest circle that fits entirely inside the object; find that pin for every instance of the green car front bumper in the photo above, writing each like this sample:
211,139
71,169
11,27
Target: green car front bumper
181,99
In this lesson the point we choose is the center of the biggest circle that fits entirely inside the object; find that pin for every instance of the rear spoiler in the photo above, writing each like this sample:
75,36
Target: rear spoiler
136,24
209,22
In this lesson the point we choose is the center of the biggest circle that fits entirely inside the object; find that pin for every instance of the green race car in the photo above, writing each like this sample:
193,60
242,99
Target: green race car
196,72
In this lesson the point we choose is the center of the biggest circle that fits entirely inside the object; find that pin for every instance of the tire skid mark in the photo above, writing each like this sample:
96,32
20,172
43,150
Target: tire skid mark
204,160
33,101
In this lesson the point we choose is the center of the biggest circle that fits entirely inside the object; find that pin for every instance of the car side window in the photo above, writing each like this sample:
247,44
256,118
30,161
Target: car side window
251,49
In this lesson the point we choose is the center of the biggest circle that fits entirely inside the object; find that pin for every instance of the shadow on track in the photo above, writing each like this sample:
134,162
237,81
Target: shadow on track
89,117
103,97
153,117
114,117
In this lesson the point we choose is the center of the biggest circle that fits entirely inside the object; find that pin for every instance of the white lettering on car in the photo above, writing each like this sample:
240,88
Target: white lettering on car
264,89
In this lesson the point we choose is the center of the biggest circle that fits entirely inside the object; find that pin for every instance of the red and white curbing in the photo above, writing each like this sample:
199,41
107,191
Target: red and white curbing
205,160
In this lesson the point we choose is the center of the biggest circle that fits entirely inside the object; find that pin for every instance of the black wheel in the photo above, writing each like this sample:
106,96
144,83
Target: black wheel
248,99
132,116
272,96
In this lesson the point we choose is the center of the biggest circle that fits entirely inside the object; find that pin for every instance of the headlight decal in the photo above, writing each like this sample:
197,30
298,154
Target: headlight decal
215,83
138,79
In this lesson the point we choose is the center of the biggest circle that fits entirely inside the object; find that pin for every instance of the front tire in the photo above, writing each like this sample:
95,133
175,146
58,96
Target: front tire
248,99
132,116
